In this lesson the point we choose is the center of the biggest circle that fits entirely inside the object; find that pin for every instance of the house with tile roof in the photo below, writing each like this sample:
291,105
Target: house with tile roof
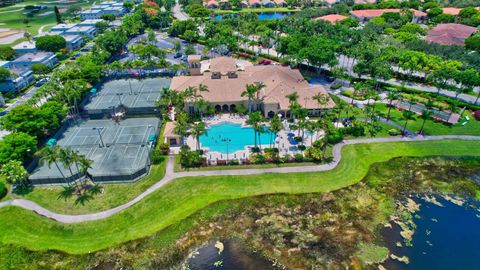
365,15
331,18
226,81
450,34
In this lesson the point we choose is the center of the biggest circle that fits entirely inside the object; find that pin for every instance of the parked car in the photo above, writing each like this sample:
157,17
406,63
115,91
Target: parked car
177,55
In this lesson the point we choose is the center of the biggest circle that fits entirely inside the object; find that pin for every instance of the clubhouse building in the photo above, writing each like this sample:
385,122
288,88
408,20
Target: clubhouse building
226,79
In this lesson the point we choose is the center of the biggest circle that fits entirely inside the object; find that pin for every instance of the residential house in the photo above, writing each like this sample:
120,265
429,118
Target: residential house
254,3
212,4
332,18
365,15
268,3
450,34
226,83
280,3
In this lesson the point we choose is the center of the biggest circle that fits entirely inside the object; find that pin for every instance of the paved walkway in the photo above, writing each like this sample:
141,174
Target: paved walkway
179,13
170,175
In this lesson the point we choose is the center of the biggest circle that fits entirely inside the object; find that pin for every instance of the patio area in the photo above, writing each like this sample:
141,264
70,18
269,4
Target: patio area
230,142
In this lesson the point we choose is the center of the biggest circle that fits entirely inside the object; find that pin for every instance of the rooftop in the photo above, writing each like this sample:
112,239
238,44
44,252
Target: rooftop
332,18
450,33
24,45
70,38
81,29
34,57
280,81
371,13
451,10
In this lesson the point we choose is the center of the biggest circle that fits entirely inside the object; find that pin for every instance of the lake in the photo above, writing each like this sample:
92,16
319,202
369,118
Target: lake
261,16
234,256
446,238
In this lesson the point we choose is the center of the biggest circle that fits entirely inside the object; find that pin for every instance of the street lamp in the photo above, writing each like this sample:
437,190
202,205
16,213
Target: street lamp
99,134
226,140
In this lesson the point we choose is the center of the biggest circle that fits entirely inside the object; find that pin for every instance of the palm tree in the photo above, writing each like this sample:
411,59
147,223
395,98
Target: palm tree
275,127
51,155
198,130
391,96
251,92
407,115
65,155
254,120
66,193
201,106
85,164
95,189
426,114
83,198
321,99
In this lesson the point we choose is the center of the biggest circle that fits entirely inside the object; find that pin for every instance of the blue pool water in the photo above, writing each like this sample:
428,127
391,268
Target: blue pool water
262,16
446,238
239,137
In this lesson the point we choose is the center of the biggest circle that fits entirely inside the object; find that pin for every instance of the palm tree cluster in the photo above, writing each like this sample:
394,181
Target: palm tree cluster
252,92
77,166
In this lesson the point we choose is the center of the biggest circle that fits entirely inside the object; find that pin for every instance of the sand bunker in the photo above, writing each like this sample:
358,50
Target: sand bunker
8,35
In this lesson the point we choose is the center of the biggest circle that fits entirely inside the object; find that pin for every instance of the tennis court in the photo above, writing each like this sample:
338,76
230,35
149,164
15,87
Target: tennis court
437,114
119,150
133,94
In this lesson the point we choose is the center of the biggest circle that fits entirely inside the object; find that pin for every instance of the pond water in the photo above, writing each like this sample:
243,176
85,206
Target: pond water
227,137
261,16
232,257
446,237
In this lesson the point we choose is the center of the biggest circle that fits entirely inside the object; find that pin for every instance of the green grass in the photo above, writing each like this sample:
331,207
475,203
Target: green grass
183,197
113,194
257,10
431,127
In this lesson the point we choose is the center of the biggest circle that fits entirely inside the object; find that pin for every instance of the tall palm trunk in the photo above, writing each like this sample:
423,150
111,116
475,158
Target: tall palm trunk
63,176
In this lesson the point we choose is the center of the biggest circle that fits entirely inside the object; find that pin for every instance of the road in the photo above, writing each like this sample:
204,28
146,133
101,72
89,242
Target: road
170,175
179,13
347,64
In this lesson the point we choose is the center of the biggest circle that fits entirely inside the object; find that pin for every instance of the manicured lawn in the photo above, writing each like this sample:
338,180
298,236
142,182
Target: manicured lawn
257,10
113,194
183,197
433,128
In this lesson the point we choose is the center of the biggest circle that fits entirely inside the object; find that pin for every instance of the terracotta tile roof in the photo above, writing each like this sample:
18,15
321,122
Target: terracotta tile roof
223,64
280,81
278,2
451,10
251,2
358,2
450,33
332,18
168,133
371,13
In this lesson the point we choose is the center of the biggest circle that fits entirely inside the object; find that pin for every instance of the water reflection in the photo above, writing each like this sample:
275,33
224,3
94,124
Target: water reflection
234,256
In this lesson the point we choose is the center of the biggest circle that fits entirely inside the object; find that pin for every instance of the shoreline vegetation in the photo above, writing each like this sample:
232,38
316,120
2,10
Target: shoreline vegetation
331,229
185,196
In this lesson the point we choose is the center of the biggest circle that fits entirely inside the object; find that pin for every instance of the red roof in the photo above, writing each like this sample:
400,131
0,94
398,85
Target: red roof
371,13
251,2
332,18
450,33
451,10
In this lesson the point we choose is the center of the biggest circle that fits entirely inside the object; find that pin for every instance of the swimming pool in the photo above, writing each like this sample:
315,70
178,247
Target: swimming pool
238,137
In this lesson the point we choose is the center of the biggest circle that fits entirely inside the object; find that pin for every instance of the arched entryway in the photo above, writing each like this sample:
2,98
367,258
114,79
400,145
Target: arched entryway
271,114
218,108
225,108
233,108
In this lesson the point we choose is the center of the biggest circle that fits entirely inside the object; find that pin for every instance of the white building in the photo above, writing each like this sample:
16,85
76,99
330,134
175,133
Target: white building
84,31
90,22
28,59
21,78
74,42
25,47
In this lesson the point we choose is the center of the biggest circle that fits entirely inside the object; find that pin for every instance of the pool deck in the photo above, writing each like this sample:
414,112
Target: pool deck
285,147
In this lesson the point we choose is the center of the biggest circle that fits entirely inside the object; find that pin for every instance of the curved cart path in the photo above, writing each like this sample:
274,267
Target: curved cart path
171,175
